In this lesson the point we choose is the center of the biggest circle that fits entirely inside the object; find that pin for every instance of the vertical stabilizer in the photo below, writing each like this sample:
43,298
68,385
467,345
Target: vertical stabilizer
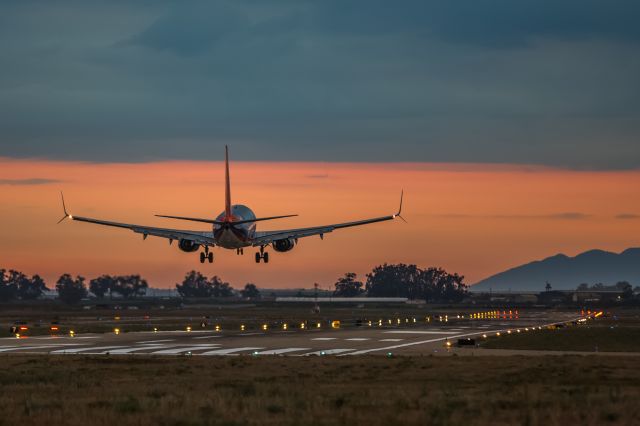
227,185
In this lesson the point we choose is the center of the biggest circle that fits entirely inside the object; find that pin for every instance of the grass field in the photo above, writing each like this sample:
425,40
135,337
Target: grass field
452,390
603,335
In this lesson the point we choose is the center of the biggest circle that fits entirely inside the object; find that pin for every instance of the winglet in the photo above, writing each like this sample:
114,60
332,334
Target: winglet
64,209
399,214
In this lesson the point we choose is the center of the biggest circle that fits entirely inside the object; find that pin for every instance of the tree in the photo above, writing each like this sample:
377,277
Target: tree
626,288
71,290
8,288
102,285
130,286
432,284
250,291
31,289
220,288
194,285
348,286
547,287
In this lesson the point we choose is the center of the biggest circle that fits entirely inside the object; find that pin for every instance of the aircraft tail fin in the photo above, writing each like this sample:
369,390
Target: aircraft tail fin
227,186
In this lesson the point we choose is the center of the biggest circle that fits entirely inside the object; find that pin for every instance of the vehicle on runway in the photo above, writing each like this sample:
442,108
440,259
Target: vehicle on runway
233,229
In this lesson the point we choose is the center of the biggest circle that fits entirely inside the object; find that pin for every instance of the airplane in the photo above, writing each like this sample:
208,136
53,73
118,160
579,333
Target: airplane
233,229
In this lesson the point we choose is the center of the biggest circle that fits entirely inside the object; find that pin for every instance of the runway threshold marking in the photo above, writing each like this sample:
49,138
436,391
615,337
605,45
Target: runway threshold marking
229,351
328,352
281,351
133,349
76,350
175,351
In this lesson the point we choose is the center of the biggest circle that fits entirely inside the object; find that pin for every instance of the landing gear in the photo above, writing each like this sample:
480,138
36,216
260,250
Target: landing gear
262,255
239,251
206,255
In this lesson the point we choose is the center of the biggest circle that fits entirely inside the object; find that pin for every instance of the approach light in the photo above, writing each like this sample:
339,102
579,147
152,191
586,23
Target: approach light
323,353
17,335
318,325
241,327
264,327
188,329
155,329
484,336
72,333
448,344
498,334
301,326
508,331
285,326
116,330
217,328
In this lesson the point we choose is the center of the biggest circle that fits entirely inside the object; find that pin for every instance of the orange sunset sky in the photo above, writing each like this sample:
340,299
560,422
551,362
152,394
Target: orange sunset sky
468,218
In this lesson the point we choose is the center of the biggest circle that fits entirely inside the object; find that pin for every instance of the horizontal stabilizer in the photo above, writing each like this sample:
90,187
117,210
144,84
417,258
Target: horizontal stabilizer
217,222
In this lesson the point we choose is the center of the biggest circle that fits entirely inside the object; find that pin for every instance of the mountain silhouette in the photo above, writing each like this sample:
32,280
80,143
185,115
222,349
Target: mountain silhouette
566,273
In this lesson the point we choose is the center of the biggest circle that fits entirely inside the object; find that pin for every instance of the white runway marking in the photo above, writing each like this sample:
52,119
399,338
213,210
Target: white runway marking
76,350
324,338
156,341
358,339
206,337
281,351
3,348
391,340
249,334
328,352
175,351
22,348
229,351
417,332
134,349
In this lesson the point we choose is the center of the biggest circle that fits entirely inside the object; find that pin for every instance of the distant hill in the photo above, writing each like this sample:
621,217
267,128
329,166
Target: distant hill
566,273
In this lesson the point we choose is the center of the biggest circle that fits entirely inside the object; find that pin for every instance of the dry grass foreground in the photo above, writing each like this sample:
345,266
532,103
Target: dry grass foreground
374,390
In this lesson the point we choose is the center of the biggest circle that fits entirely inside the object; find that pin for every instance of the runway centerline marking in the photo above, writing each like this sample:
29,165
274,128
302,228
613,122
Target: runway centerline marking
391,340
206,337
358,339
156,341
133,349
324,338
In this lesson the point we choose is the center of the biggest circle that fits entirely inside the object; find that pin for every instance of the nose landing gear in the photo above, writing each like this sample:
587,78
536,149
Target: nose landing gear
261,255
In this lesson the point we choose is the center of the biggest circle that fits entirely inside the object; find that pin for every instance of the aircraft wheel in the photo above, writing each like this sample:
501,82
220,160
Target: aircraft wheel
210,257
258,257
266,257
202,257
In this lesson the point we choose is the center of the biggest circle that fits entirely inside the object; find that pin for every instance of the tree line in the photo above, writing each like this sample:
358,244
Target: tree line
400,280
15,285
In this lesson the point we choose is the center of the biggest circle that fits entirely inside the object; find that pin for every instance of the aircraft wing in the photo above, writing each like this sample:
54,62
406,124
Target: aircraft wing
268,237
199,237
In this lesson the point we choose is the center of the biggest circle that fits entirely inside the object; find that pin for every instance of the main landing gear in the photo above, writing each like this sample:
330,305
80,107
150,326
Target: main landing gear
206,255
262,255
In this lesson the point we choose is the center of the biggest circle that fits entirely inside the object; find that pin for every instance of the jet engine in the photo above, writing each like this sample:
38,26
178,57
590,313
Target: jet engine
188,246
284,245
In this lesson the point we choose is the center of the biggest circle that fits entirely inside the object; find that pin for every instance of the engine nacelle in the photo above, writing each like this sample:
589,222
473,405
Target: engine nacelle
284,245
188,246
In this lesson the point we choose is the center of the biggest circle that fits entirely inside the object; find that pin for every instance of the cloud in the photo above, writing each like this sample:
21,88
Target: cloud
497,81
26,182
554,216
625,216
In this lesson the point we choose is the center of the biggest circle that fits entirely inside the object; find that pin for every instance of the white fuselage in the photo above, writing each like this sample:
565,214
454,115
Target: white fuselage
232,236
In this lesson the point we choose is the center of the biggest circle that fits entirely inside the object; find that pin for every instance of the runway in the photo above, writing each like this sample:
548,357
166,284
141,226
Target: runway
418,339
